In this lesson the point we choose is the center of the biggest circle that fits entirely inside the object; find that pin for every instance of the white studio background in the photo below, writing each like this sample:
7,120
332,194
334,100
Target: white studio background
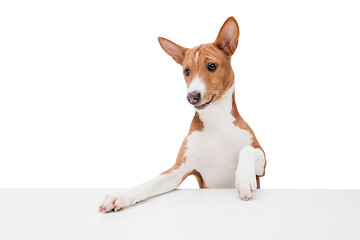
89,99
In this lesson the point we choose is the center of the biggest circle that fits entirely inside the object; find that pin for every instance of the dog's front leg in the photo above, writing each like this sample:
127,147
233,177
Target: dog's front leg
166,182
251,163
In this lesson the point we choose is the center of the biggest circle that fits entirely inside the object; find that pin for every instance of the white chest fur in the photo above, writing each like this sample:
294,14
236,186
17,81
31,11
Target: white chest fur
214,151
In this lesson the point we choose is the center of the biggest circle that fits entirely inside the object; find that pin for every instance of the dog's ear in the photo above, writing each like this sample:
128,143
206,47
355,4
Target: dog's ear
177,52
228,37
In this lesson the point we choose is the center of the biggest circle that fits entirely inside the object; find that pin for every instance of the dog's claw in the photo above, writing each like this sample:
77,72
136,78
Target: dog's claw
116,203
246,188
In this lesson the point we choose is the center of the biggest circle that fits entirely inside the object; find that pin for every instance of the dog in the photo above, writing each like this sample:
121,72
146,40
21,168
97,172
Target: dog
221,149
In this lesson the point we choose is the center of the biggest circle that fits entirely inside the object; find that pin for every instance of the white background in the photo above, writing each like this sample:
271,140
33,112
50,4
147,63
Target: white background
89,99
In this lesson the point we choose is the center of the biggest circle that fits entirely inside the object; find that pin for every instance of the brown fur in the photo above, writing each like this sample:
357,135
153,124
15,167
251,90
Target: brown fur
198,177
180,159
196,125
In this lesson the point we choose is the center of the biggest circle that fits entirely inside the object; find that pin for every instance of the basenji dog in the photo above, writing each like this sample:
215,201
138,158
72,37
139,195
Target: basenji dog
221,149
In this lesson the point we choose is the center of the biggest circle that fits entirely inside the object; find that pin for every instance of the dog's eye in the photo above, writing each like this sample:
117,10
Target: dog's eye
212,67
187,71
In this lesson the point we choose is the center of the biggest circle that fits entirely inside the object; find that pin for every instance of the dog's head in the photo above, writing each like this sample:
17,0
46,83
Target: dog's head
207,68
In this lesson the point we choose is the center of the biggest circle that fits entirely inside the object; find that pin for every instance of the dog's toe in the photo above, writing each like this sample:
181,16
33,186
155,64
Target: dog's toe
117,203
246,187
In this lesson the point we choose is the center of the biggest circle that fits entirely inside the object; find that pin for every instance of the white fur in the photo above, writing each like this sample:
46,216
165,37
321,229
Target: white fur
221,152
245,173
197,85
259,162
159,185
214,151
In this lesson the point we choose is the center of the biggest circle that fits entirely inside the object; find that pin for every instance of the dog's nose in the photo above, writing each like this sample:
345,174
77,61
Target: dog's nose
193,97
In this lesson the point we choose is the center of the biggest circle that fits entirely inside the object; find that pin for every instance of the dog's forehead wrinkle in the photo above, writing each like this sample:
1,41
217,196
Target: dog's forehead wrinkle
207,52
192,52
190,56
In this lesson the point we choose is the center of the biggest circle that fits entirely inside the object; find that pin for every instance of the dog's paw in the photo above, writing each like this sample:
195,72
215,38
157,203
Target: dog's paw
117,202
246,186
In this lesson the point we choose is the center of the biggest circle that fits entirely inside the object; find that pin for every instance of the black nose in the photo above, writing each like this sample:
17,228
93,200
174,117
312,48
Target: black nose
194,97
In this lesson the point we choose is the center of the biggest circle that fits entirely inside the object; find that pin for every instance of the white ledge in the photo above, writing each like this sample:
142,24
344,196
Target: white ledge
181,214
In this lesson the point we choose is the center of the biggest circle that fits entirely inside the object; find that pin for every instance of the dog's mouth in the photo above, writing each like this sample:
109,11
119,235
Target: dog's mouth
202,106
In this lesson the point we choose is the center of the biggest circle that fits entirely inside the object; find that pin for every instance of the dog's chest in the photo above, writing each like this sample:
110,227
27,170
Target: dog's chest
214,151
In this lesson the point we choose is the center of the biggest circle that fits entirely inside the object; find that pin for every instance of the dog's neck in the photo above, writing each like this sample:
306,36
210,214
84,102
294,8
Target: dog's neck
215,115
